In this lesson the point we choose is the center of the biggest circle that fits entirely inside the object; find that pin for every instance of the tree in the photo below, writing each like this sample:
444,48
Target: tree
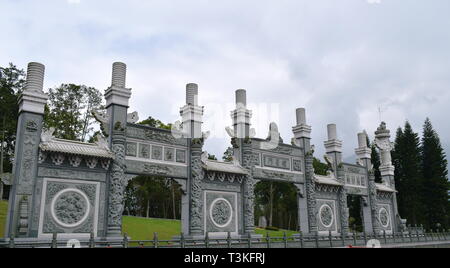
70,111
408,177
319,167
278,202
12,82
435,183
152,122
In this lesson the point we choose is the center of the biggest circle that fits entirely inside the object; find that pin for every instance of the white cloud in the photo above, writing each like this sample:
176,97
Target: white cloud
339,59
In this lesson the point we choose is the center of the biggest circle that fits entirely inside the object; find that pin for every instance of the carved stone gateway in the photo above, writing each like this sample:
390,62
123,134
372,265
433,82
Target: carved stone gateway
76,189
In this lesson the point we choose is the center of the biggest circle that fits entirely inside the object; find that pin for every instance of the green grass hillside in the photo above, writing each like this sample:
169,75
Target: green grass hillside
143,228
3,211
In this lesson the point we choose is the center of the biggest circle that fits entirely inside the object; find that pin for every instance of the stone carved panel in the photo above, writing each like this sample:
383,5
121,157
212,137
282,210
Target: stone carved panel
157,152
69,207
132,149
181,156
220,212
144,150
169,154
277,162
151,134
297,165
326,217
71,174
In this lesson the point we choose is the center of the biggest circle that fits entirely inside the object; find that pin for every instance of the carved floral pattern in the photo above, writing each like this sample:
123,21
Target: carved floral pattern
70,208
221,213
326,216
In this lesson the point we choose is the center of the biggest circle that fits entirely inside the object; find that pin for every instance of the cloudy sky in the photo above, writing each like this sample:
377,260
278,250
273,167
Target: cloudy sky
343,61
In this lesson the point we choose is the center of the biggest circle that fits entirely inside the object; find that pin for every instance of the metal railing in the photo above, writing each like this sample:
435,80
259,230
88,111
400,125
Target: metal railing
296,241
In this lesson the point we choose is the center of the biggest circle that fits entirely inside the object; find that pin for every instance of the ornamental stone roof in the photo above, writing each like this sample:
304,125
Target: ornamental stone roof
211,165
226,167
328,180
384,188
52,144
76,148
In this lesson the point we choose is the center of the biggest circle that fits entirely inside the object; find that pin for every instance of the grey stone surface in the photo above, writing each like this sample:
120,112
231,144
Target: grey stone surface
75,194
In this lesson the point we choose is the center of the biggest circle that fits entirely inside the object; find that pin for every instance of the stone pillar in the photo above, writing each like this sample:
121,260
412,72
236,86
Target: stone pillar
29,128
302,137
248,188
363,152
241,118
192,113
373,200
117,184
192,118
385,146
334,147
311,193
196,226
343,206
117,101
242,146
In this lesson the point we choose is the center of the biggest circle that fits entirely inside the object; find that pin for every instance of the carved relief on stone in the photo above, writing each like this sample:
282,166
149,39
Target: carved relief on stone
42,157
311,192
297,165
181,156
31,126
169,154
221,212
384,217
105,163
326,216
117,185
131,149
70,208
144,150
196,190
157,170
103,118
157,152
57,158
75,160
91,162
344,210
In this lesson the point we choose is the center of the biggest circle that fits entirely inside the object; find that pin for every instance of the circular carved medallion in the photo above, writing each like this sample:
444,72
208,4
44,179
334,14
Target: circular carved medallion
70,208
221,212
326,216
384,217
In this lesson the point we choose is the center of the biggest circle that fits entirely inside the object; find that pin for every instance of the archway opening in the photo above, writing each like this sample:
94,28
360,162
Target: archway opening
152,205
355,221
276,206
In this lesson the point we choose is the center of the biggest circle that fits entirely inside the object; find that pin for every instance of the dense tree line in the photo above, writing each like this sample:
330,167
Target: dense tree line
421,177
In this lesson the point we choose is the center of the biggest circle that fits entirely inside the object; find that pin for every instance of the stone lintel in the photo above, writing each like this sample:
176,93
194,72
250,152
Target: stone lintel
32,101
387,170
363,153
333,146
118,95
302,131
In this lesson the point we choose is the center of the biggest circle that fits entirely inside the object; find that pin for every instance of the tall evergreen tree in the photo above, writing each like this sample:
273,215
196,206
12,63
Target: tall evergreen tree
435,180
407,161
12,81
